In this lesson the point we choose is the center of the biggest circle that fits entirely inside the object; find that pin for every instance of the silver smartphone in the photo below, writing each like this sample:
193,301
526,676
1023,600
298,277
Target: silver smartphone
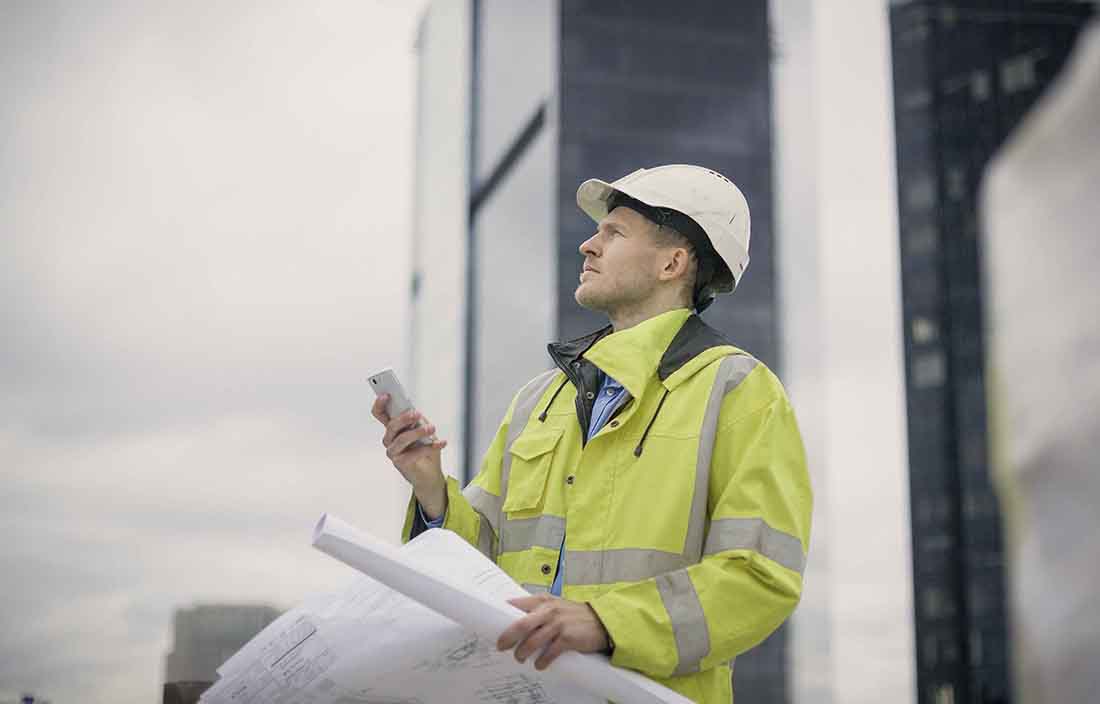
386,382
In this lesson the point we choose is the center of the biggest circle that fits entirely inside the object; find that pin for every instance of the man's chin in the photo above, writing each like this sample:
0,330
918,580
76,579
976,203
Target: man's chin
582,297
585,298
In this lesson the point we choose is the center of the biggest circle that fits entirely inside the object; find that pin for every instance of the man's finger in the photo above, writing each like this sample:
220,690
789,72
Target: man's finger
536,641
556,648
413,451
378,409
530,603
402,442
399,424
521,628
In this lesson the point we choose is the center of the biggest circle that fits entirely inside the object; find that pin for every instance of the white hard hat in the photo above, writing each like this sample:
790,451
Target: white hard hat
704,195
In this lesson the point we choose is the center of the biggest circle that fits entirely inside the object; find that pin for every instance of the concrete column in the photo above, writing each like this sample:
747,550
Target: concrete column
838,262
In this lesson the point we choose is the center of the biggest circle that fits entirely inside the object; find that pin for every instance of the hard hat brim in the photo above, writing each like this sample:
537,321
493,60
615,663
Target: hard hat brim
592,198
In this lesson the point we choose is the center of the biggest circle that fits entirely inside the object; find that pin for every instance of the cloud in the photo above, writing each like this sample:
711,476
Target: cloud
205,215
115,533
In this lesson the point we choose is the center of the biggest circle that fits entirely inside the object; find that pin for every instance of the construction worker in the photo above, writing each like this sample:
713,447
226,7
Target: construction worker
650,490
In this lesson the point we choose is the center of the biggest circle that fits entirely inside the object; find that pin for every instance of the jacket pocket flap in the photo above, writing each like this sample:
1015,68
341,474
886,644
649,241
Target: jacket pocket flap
528,446
532,455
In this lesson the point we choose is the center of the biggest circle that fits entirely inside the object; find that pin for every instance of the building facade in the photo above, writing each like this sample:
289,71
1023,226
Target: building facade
206,636
519,105
965,74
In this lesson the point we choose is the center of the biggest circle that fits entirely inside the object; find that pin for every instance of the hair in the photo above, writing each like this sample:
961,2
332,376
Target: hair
668,236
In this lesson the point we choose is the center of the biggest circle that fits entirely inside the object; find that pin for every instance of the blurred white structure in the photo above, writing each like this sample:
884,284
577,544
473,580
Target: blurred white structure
515,288
1041,212
838,265
439,231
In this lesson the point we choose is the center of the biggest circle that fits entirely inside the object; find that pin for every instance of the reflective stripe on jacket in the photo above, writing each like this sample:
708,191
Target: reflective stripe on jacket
688,513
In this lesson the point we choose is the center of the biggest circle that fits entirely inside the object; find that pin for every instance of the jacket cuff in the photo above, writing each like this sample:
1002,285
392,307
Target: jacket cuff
610,641
430,523
624,617
416,522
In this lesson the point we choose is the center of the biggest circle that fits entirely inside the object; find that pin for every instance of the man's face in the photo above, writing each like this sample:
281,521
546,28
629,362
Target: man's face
621,262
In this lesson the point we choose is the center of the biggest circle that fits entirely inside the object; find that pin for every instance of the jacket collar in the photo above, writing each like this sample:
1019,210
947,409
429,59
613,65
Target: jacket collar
674,345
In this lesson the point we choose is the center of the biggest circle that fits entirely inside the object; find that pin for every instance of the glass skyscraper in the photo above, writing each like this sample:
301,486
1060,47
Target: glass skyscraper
965,74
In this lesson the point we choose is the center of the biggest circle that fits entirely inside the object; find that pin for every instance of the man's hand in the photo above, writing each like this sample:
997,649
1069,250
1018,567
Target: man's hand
552,626
419,464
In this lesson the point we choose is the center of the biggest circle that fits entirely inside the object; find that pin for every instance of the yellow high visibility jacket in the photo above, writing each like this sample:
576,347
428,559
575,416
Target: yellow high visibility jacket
686,517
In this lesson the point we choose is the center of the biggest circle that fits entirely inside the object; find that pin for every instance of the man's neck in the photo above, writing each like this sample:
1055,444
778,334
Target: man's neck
628,318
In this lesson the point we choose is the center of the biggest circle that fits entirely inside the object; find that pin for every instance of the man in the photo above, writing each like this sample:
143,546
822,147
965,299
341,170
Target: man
655,478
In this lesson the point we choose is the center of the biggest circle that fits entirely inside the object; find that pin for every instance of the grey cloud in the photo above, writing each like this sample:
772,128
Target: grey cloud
204,214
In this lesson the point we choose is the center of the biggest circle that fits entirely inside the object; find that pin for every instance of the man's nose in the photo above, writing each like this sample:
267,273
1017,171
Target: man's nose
588,247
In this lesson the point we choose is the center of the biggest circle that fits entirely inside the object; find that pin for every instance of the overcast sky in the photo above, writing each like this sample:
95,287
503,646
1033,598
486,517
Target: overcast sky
204,217
204,235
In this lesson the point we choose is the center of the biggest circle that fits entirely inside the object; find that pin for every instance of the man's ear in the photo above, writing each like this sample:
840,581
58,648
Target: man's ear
676,264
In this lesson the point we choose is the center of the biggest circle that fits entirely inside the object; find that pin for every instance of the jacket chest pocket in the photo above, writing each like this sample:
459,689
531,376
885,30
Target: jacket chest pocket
532,455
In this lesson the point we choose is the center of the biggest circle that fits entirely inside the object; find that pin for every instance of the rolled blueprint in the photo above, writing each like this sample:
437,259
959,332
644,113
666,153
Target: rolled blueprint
485,614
